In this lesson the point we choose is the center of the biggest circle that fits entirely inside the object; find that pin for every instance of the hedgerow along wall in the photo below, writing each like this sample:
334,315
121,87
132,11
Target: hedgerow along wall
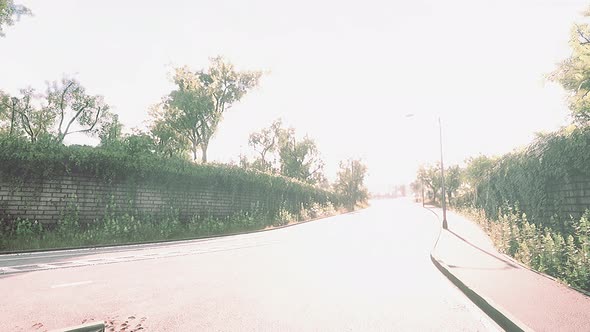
42,185
549,180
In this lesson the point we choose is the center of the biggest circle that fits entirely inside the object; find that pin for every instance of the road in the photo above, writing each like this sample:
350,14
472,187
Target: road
366,271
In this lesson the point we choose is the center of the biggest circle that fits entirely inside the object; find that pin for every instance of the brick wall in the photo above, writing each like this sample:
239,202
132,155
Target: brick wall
47,200
570,197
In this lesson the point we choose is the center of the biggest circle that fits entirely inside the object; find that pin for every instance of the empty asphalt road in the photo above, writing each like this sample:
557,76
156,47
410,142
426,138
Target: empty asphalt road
367,271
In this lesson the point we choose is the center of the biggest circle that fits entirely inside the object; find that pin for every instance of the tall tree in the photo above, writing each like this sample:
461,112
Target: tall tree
63,109
111,132
225,86
430,177
10,13
574,72
24,115
476,172
195,108
300,159
452,182
265,142
8,113
350,182
75,111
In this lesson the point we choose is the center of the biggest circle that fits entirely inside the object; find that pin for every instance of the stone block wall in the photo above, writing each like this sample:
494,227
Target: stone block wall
47,200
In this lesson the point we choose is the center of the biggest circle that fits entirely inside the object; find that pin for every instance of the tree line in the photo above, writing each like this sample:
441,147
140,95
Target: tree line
181,125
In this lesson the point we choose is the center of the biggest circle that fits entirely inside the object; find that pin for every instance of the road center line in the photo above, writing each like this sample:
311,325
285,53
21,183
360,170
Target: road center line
73,284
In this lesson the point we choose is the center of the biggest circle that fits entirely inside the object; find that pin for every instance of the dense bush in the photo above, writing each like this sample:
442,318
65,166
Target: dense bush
511,199
24,164
541,248
23,161
126,228
523,179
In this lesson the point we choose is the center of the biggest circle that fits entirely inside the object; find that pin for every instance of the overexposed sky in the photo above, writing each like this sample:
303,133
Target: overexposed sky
343,72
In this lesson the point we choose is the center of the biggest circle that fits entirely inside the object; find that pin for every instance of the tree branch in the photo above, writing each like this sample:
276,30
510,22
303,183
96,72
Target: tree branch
62,106
65,133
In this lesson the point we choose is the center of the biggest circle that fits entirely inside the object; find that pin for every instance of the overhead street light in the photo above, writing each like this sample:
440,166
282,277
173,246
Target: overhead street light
445,224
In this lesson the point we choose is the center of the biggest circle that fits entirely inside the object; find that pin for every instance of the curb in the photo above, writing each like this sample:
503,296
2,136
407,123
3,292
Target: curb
206,237
494,311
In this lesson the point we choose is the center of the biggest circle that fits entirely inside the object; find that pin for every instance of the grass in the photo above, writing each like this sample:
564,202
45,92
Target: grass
23,234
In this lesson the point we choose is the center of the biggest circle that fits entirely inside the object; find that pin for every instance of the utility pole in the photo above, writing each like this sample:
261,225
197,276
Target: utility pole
442,176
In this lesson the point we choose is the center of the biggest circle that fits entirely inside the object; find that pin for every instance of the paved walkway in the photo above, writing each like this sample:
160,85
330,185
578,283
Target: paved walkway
531,300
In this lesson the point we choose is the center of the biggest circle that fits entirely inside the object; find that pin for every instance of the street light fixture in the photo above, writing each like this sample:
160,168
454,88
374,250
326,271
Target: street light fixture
445,224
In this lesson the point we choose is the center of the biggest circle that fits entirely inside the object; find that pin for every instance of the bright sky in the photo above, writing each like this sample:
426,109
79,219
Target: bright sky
344,72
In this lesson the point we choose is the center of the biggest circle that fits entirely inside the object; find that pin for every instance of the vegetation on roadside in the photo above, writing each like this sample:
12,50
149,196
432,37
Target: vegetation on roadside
37,126
521,198
511,198
541,248
23,234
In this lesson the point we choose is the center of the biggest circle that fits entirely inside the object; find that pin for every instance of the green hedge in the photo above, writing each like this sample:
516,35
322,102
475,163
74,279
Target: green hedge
21,162
523,179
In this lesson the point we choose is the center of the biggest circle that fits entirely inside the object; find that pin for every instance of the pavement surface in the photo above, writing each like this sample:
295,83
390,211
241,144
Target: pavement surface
535,301
366,271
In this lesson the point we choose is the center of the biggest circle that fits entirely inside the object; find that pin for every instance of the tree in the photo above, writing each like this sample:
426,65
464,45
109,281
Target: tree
167,129
350,182
452,181
10,13
63,109
476,172
574,72
9,113
300,159
264,142
430,177
225,86
24,115
74,109
196,107
111,131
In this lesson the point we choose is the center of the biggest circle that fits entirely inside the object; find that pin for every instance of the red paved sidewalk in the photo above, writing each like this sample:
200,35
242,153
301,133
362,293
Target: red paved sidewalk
531,300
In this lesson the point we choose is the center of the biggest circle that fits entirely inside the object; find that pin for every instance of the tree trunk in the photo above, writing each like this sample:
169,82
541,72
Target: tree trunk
204,147
194,151
13,114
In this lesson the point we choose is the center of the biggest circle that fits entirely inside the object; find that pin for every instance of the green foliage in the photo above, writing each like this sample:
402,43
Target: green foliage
300,159
11,12
119,228
542,249
136,161
74,110
525,178
574,72
65,108
265,143
111,132
430,177
281,151
350,182
452,182
512,194
193,111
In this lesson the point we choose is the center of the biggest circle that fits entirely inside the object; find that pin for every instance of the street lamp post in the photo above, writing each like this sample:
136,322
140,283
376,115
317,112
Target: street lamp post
445,224
442,177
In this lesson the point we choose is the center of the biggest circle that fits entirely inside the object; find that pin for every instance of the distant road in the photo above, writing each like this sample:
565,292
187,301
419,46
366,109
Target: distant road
367,271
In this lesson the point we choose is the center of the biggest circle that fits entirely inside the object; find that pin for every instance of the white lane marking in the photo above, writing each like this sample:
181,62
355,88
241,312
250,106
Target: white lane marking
73,284
47,266
8,270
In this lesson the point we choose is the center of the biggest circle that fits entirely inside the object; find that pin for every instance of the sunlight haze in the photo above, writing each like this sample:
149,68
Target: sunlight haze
344,73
